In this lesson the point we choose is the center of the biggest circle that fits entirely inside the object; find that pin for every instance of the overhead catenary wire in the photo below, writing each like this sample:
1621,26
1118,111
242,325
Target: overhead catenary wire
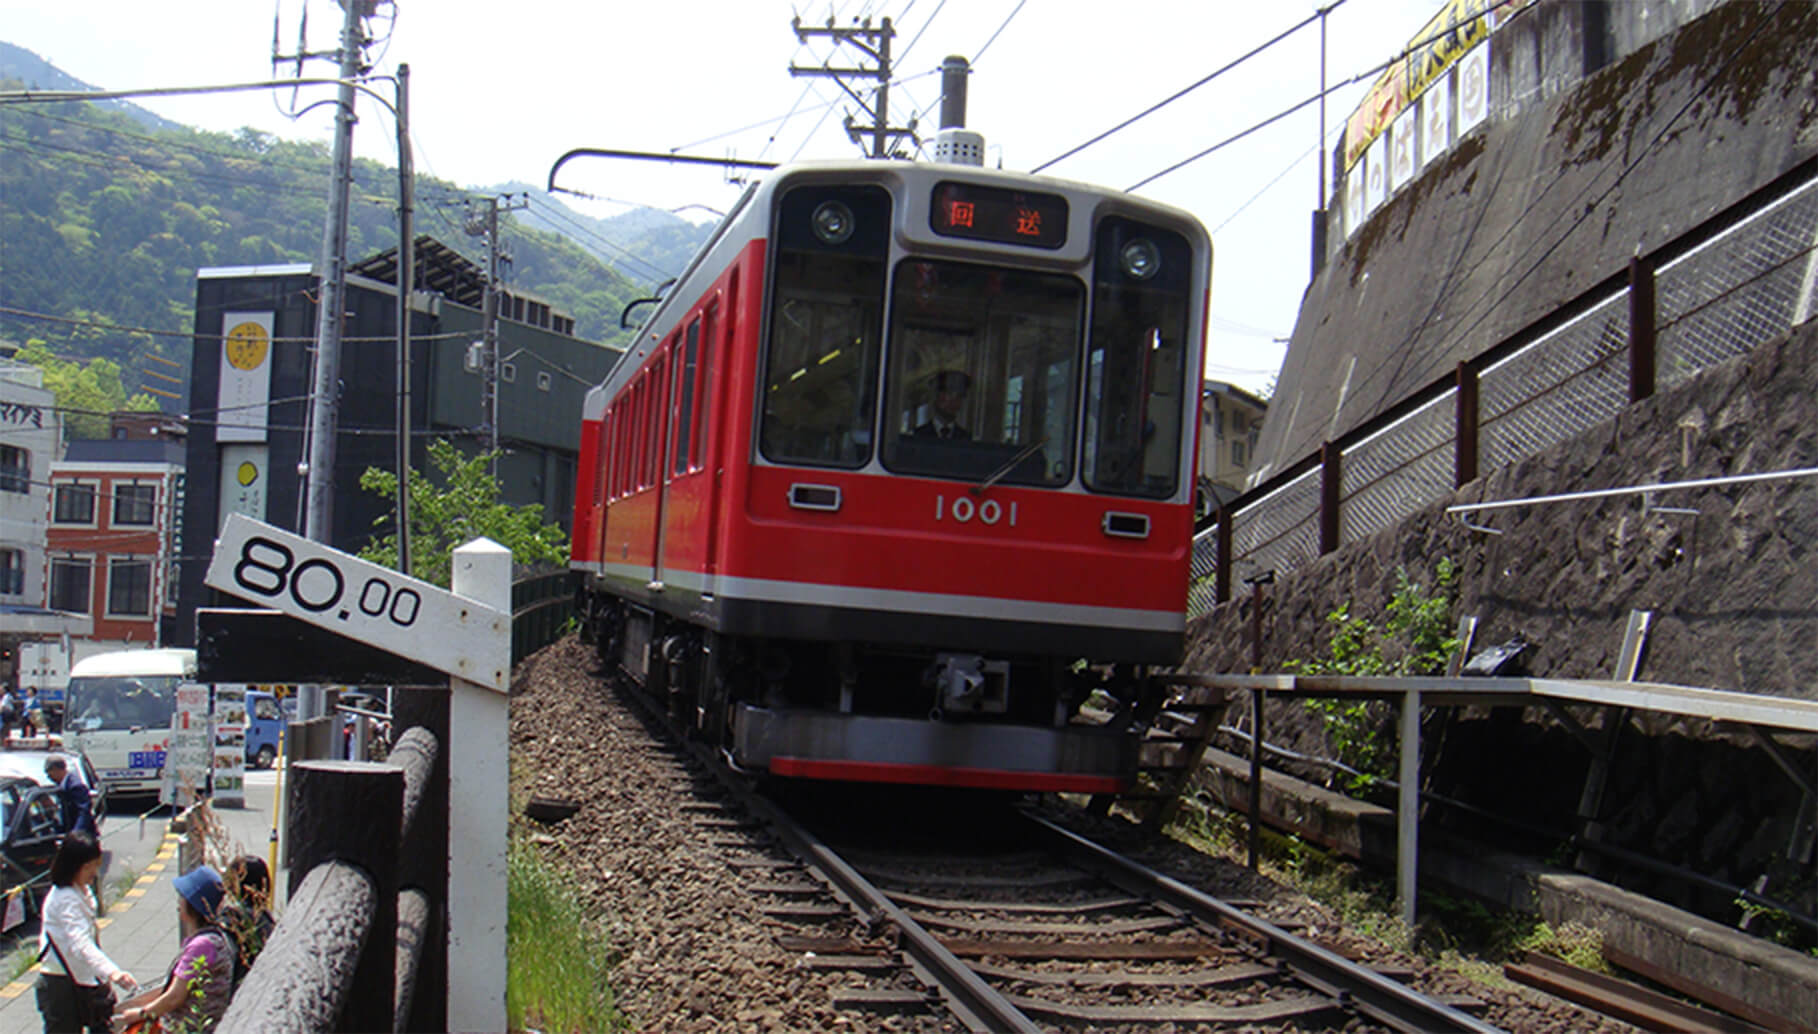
1182,92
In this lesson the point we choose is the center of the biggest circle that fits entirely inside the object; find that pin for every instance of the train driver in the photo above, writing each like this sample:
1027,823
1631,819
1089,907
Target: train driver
949,387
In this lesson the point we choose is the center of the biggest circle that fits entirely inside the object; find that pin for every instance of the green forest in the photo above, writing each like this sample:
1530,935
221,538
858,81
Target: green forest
105,220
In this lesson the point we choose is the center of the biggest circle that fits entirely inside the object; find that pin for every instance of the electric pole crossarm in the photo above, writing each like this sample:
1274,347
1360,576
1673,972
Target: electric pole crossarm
868,73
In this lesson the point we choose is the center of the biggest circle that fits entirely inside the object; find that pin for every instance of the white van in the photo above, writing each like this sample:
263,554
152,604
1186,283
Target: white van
117,714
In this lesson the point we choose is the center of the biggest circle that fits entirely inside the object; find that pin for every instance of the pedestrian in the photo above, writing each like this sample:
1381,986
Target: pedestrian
196,990
9,711
29,714
73,794
247,915
73,982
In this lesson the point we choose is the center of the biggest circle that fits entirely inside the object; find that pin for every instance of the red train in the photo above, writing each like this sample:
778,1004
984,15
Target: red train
900,471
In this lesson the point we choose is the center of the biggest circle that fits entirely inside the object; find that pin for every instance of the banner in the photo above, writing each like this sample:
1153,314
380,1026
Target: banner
230,745
1376,177
245,474
1459,26
15,911
243,401
1401,150
191,747
1473,89
1436,114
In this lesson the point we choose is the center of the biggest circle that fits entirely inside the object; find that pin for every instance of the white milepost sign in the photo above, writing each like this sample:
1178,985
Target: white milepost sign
362,601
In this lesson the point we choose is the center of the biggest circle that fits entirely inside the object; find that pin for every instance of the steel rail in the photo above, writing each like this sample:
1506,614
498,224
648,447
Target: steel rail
974,1002
1376,996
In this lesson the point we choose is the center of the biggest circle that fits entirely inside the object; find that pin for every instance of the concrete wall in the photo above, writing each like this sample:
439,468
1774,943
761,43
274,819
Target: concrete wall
1733,588
1574,177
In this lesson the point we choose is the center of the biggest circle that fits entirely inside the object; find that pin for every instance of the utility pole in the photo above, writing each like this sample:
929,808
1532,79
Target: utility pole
407,255
318,517
485,224
873,43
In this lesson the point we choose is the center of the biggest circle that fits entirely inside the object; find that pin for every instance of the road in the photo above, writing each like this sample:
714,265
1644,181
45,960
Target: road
140,928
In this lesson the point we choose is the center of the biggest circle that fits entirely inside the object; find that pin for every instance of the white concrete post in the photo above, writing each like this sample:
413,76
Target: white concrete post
1407,812
478,733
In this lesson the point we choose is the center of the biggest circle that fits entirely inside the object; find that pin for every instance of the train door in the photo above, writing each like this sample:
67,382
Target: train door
680,546
710,418
667,395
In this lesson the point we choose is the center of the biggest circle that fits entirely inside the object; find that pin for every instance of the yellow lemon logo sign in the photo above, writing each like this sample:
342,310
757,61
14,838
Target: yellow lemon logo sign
247,345
248,473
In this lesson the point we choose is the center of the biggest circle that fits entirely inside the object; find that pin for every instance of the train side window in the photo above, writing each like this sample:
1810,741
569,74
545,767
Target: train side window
684,410
653,442
819,386
600,466
697,456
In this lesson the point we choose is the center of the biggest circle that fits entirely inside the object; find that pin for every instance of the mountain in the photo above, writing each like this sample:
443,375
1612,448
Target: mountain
105,220
645,245
35,73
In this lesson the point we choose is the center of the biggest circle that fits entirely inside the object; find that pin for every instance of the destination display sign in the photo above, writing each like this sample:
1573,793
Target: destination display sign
998,214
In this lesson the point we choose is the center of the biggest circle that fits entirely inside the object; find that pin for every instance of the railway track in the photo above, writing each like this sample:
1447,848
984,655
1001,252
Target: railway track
1058,933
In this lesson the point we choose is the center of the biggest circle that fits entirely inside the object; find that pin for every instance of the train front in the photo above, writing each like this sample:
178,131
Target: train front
969,504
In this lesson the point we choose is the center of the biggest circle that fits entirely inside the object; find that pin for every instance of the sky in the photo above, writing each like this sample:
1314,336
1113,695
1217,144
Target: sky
498,93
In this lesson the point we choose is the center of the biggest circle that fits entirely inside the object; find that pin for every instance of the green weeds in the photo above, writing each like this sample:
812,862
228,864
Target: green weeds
558,961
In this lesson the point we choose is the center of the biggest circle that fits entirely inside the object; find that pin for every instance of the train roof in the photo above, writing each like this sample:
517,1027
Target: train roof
748,220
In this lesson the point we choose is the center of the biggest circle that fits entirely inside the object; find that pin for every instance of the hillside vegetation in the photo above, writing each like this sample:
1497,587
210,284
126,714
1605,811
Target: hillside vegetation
105,221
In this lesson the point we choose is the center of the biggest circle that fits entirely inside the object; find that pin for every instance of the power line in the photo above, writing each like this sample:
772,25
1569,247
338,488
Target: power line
1000,31
1178,94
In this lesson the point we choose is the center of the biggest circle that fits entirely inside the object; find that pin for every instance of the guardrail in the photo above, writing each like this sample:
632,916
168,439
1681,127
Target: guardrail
1735,282
541,608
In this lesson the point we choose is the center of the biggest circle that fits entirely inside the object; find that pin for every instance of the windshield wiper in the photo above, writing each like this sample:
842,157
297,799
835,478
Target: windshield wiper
998,474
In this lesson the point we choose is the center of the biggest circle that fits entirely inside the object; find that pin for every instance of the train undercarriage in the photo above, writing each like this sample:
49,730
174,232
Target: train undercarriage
856,712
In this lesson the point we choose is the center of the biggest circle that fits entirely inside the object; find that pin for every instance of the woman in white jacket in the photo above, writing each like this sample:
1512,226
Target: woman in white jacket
73,965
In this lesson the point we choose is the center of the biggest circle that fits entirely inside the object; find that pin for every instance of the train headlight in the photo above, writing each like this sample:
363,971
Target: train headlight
1140,259
833,222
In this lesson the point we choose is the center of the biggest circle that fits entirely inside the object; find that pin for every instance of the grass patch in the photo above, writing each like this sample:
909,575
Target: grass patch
559,963
1464,936
18,961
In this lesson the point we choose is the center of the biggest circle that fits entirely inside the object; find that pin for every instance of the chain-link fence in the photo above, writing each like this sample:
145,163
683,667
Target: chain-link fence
1742,288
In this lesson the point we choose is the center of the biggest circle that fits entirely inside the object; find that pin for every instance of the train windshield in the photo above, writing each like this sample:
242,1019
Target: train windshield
983,373
1135,360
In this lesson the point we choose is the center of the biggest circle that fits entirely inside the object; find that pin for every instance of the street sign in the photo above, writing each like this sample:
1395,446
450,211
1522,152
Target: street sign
362,601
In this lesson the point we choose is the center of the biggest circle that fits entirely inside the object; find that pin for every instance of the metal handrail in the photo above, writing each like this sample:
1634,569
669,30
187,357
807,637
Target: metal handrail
1659,486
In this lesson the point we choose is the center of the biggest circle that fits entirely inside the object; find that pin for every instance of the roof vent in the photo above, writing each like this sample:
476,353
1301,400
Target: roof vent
959,147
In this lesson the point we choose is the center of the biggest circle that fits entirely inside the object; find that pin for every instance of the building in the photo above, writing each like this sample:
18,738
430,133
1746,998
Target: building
251,380
1231,420
112,542
31,440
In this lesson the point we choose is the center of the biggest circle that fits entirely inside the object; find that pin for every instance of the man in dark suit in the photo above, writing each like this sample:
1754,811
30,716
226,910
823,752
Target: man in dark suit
73,794
950,387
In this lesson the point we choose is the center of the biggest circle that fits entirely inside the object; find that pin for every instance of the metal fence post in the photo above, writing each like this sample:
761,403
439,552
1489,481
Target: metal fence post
1221,575
1642,338
477,741
1331,483
1464,440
